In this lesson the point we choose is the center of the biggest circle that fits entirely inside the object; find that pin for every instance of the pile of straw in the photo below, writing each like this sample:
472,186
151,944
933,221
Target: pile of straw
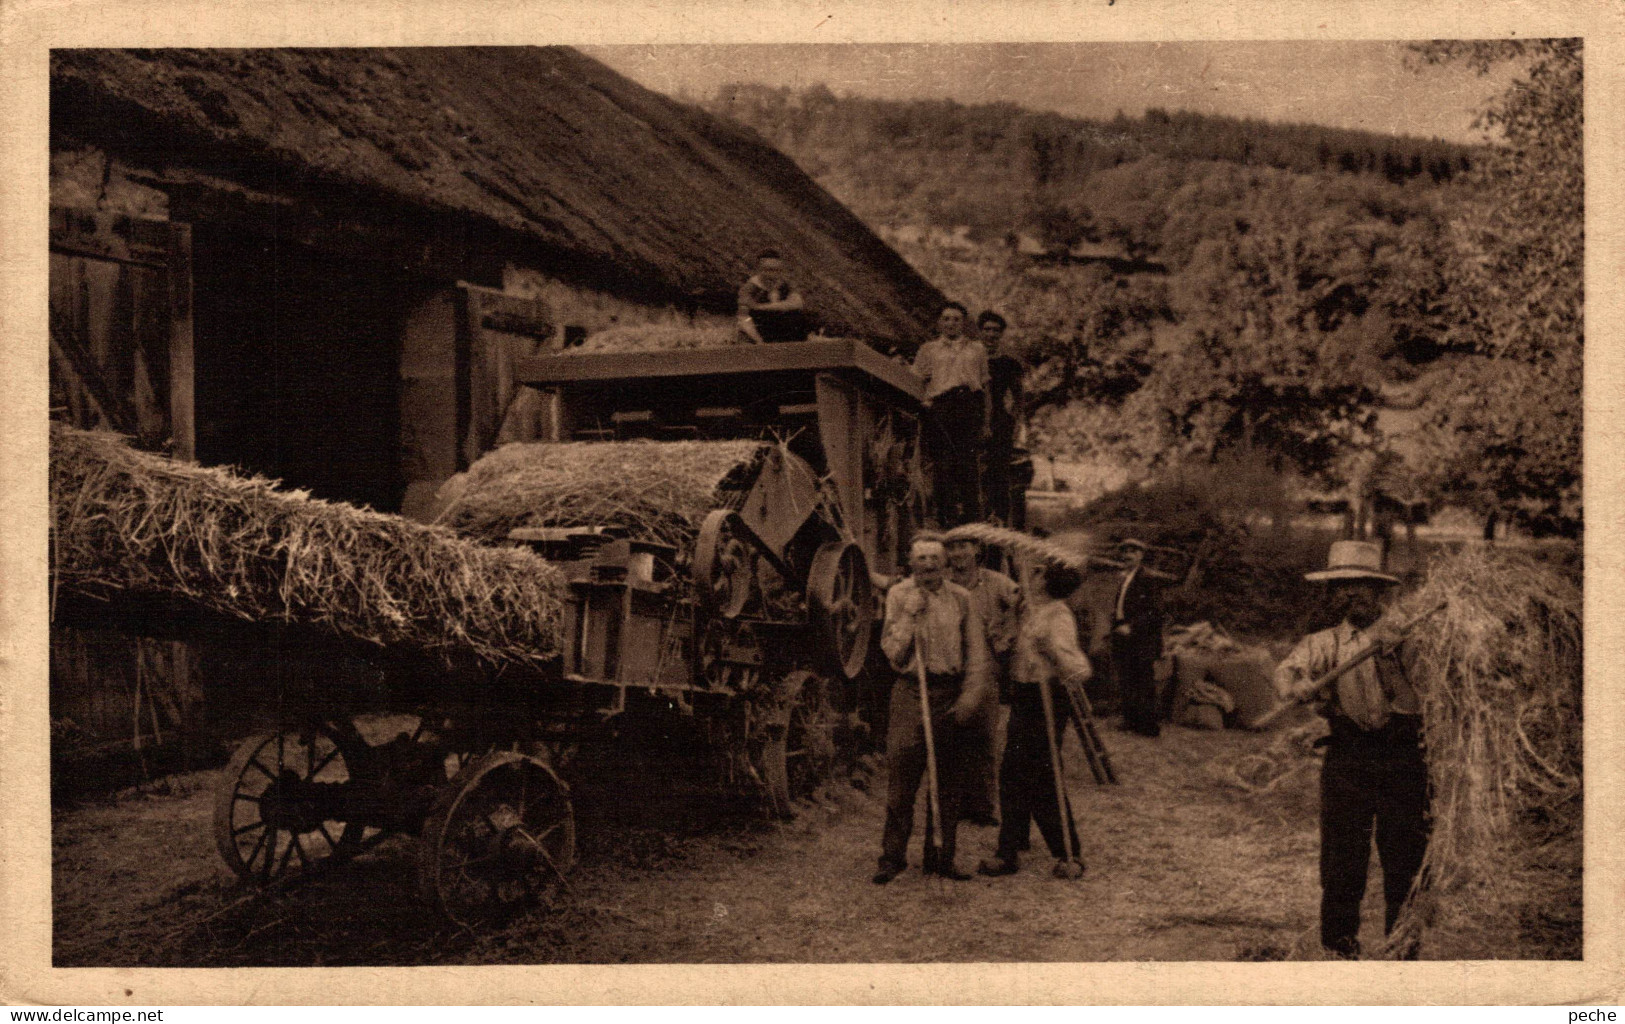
1265,770
658,490
125,521
1499,675
653,337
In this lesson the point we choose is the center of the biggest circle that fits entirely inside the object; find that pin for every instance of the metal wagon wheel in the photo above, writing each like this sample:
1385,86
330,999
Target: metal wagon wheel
841,596
280,808
500,836
722,563
796,747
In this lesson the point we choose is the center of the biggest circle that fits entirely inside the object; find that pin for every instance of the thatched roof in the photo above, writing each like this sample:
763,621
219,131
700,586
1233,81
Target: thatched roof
603,179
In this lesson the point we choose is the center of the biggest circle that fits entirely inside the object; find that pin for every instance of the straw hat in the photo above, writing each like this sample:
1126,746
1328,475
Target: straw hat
1352,560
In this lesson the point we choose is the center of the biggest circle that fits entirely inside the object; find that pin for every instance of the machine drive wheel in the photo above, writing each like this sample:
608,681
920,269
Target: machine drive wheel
500,836
797,748
841,597
722,564
280,807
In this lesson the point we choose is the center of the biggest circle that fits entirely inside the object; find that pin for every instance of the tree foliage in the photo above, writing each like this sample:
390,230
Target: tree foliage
1507,428
1308,272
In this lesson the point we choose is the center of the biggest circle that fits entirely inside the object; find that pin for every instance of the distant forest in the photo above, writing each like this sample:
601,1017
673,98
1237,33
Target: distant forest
1211,290
998,167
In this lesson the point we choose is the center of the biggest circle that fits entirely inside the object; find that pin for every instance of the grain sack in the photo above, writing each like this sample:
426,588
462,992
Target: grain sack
1249,679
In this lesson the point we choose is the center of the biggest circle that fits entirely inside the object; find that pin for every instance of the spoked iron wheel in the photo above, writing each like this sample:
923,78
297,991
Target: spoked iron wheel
797,749
499,838
722,564
281,807
841,595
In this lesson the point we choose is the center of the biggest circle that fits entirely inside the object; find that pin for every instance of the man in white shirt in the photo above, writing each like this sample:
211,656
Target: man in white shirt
929,618
1046,654
958,410
1374,780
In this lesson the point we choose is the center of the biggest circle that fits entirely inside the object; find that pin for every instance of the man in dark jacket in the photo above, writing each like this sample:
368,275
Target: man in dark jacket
1137,641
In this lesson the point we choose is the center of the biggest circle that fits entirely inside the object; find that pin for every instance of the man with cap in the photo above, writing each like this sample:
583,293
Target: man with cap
1374,780
1005,422
1136,640
998,602
931,621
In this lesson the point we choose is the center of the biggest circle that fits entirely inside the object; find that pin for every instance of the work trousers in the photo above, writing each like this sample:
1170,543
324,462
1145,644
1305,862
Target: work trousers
906,766
981,797
1134,667
953,440
1026,780
1373,783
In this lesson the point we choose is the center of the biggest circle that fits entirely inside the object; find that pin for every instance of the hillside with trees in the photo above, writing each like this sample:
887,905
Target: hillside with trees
1192,289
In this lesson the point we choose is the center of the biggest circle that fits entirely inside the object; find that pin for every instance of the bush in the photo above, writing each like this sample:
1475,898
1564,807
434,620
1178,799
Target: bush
1248,576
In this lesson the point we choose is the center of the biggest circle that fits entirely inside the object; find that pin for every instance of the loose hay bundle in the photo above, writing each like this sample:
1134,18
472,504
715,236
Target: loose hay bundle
1041,549
653,337
130,521
1499,674
658,490
1263,771
1199,638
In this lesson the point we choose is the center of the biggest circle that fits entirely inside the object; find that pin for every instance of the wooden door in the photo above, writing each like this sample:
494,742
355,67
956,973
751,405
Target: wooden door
121,326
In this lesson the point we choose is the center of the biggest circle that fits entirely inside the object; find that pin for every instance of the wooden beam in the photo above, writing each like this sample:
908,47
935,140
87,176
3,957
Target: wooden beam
843,355
182,409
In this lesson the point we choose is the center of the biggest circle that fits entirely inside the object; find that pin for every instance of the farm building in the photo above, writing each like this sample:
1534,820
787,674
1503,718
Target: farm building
319,265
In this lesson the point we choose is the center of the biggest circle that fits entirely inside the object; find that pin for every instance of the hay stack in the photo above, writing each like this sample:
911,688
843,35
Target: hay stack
653,337
659,490
1500,681
125,521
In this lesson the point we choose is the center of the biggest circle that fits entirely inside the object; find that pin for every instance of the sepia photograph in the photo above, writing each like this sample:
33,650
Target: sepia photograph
816,503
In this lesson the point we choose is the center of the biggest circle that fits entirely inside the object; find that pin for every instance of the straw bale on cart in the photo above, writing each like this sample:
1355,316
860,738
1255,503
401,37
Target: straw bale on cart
131,522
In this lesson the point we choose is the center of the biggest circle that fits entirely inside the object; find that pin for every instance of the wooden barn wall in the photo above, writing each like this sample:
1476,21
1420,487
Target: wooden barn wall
123,708
121,341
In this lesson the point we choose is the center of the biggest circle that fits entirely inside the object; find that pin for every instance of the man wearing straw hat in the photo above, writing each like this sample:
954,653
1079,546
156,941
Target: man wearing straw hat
1374,780
934,639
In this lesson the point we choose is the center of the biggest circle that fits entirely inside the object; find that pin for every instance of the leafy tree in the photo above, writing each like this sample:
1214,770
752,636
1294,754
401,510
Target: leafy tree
1507,428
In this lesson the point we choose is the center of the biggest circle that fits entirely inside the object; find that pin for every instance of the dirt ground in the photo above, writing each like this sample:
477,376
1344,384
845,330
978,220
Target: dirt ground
1183,864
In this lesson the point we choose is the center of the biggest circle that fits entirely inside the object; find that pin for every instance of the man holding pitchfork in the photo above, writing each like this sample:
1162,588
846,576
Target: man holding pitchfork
1375,779
937,644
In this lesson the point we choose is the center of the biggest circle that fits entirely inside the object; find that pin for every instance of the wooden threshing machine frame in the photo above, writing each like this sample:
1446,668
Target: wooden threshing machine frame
761,629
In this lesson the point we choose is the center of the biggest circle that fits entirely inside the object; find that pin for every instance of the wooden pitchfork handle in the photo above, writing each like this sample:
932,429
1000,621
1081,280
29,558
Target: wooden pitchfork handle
1064,819
933,794
1333,675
